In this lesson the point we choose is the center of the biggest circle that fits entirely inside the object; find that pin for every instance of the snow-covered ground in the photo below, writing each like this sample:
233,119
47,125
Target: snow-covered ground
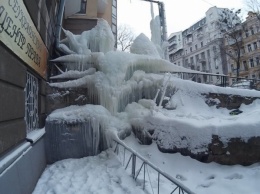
104,174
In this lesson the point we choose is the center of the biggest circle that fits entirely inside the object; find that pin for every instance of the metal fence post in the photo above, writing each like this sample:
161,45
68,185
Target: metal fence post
133,165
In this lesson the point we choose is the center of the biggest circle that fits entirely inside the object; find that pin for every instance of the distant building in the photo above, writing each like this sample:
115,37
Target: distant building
249,50
200,49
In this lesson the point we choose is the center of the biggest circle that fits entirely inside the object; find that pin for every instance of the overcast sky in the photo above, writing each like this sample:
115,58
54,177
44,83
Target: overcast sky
180,14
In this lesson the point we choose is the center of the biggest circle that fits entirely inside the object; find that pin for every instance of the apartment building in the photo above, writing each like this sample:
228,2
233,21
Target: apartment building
200,48
249,50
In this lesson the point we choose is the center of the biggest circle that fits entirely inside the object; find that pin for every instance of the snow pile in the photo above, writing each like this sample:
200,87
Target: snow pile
190,122
99,174
104,174
100,119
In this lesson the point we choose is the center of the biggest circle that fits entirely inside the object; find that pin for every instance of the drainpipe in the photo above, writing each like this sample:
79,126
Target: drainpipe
59,24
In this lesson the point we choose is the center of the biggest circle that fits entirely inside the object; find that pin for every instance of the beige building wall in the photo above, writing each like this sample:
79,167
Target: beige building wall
83,21
250,58
91,10
107,15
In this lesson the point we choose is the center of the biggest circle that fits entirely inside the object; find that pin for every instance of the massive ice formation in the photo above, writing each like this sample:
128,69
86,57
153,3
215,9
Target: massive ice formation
98,39
119,78
142,45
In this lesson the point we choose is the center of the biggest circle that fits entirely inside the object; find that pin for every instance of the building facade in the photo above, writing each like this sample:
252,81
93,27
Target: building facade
249,67
82,15
26,42
200,49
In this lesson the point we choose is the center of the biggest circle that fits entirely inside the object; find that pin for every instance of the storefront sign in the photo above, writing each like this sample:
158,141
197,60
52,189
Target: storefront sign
19,34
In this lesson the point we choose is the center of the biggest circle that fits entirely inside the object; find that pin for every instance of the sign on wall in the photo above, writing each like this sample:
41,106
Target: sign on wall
19,34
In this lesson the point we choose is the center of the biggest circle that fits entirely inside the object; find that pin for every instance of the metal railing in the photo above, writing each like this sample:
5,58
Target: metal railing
144,164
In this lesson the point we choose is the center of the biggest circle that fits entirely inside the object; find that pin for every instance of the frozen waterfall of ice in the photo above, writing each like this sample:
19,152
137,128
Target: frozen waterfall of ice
113,79
98,39
156,35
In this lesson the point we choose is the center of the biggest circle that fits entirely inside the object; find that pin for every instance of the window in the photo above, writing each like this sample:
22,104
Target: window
201,44
191,60
255,45
257,61
257,28
83,6
197,57
214,49
253,76
246,33
243,50
114,12
208,53
114,28
251,62
190,49
114,3
249,48
245,66
186,62
203,55
232,67
196,47
179,63
236,52
186,52
31,103
252,31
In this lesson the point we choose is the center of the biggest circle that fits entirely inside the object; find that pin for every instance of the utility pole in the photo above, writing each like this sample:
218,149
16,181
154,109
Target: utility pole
163,27
162,19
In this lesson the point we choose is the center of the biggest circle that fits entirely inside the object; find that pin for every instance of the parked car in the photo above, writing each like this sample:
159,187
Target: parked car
245,84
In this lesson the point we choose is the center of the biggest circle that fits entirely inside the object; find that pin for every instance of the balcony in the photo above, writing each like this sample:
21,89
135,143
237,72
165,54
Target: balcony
172,42
189,41
200,35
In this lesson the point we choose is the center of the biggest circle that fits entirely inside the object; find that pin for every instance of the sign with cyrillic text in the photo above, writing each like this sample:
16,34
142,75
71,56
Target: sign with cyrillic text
18,33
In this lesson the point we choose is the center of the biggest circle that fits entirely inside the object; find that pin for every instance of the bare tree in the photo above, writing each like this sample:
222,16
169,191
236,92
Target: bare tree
230,23
125,37
254,6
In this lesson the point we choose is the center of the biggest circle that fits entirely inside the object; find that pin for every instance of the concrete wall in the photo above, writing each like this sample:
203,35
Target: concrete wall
23,173
13,78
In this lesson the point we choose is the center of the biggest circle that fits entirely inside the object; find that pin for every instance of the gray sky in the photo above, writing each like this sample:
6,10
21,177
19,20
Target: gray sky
180,14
